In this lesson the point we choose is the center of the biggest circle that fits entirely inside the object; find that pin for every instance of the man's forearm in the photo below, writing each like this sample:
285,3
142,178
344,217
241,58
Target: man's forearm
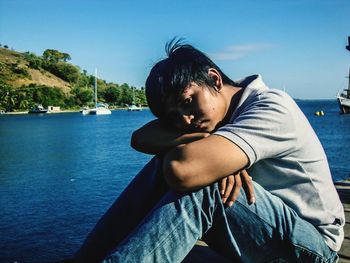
156,138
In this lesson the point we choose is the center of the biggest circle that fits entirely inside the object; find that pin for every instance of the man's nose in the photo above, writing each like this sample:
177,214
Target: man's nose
187,118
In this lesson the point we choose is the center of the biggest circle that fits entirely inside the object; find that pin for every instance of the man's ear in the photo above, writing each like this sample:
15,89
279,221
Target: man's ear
213,73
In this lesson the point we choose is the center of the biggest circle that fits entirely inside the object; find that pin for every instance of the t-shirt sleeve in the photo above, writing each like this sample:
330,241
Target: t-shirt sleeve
265,127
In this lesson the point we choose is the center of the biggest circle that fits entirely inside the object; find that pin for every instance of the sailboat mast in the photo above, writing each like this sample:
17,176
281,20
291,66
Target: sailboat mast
95,87
348,91
348,48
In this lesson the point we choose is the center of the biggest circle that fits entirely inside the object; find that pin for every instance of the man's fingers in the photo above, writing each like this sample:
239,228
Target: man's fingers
222,185
235,191
229,185
248,186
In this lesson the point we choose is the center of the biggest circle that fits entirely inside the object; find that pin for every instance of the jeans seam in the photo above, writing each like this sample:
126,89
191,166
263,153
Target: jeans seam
323,258
295,245
262,219
211,223
163,240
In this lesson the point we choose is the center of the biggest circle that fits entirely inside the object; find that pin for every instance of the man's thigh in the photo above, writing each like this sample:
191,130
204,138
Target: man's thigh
266,231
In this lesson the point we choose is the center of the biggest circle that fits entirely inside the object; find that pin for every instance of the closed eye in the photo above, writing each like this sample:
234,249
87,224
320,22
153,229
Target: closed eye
187,101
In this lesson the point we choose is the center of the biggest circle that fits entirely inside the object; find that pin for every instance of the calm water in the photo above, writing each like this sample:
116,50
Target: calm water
60,172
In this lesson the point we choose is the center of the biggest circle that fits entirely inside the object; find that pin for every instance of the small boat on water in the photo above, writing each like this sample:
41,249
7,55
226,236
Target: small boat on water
85,110
344,97
38,109
134,107
100,108
344,100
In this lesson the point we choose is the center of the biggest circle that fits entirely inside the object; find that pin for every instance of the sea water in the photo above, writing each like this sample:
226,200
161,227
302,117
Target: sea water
60,172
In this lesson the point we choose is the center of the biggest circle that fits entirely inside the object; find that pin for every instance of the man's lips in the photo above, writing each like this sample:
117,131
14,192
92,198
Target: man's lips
200,125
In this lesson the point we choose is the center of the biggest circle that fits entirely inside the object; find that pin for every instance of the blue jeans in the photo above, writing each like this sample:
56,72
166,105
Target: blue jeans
151,223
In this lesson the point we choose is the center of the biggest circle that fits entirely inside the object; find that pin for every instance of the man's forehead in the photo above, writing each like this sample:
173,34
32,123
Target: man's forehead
173,100
175,97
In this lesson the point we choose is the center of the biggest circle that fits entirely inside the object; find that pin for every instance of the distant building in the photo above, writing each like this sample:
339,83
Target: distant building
54,108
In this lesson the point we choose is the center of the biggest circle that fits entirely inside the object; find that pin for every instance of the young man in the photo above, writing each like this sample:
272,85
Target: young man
209,130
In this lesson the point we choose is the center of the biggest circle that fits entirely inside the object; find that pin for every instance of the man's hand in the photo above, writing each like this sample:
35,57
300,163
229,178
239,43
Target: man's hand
156,137
229,187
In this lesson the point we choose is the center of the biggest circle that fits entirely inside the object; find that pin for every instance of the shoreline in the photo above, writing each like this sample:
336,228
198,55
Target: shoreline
57,112
27,112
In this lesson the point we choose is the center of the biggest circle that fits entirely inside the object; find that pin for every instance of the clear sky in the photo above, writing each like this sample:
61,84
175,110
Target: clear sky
296,45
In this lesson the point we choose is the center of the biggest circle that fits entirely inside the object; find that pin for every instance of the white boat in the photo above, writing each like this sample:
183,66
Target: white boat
344,97
344,101
85,110
133,106
100,108
38,109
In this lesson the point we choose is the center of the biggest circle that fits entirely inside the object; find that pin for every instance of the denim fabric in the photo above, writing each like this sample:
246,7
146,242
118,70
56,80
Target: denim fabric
128,210
148,225
267,231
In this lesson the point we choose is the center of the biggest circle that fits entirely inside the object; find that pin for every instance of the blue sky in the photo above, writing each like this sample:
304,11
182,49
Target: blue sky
296,45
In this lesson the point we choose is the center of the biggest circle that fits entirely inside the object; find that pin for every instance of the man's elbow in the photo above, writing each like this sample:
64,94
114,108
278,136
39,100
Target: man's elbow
135,141
176,176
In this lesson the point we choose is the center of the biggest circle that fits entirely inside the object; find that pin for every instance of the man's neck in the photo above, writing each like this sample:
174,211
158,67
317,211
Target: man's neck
232,95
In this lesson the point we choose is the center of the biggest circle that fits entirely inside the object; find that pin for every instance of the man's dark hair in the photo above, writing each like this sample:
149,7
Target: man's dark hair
170,76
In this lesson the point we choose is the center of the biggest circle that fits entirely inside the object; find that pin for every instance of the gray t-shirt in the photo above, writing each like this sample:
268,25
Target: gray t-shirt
286,157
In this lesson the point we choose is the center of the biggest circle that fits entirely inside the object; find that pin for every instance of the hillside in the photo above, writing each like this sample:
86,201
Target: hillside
16,71
27,79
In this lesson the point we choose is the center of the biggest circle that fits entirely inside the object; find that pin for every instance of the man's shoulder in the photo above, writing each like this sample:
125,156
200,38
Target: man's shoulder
262,101
273,95
256,91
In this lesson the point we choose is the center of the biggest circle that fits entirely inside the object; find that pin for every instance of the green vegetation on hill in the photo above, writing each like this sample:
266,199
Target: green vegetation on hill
27,79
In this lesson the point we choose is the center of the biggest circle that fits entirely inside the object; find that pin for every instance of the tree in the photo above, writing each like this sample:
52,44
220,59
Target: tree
83,81
66,57
55,62
141,96
83,96
23,101
7,97
53,55
34,61
112,95
126,96
45,95
63,70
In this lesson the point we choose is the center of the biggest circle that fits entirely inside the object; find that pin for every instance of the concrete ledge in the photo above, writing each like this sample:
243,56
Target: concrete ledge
343,189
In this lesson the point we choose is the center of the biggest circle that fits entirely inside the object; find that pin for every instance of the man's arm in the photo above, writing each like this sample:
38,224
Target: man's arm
155,137
203,162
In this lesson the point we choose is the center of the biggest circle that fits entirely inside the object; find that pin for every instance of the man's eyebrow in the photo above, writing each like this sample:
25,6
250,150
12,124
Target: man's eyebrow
174,100
180,97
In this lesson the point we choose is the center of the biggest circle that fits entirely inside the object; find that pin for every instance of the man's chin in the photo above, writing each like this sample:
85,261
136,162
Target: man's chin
220,124
208,129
